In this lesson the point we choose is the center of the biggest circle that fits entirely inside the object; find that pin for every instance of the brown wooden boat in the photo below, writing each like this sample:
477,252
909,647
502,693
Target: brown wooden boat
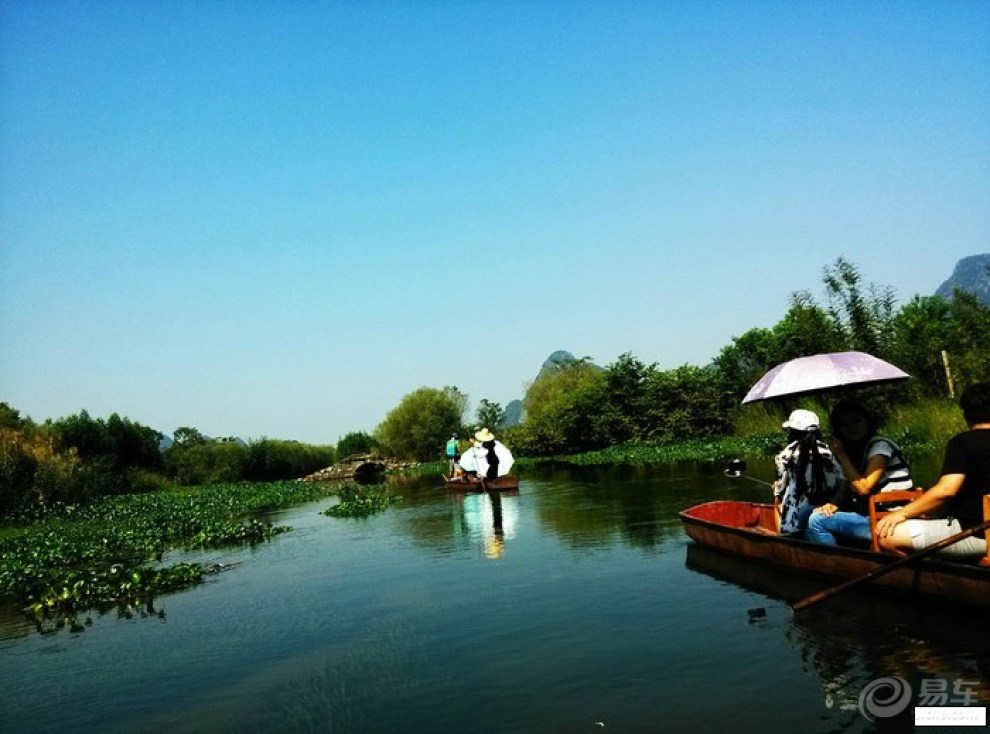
507,483
747,529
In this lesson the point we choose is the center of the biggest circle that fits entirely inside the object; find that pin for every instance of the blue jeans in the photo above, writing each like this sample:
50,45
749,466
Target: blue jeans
845,525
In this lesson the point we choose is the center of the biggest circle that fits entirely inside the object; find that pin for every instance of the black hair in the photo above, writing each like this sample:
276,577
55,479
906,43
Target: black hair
857,447
975,403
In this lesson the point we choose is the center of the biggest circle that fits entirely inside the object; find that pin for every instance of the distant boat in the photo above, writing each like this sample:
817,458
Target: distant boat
464,484
748,530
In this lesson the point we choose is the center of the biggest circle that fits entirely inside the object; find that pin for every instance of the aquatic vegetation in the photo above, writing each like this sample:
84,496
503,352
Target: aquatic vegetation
362,501
63,558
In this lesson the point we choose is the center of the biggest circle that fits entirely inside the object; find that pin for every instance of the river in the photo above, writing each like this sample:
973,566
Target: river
575,605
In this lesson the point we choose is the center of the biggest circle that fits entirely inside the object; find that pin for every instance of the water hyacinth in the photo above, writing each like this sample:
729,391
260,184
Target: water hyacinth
357,501
61,559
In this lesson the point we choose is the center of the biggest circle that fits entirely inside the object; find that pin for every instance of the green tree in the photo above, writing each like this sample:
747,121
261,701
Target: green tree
556,406
618,401
420,425
921,330
743,362
685,403
185,436
863,312
490,414
134,445
354,444
806,329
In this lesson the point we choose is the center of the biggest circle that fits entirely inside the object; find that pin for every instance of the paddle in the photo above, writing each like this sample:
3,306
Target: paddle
876,572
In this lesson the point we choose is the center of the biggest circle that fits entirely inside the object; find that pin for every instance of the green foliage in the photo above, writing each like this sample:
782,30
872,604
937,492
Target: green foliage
490,414
555,412
266,460
420,425
864,316
62,557
926,425
355,444
362,501
185,436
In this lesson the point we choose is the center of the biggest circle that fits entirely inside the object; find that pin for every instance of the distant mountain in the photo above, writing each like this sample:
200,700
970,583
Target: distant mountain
972,274
513,414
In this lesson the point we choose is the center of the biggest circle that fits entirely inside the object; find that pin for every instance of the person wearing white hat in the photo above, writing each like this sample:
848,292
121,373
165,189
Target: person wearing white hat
493,458
808,475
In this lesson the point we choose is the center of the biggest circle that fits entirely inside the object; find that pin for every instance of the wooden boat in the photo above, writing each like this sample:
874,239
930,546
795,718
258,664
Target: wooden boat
747,529
507,483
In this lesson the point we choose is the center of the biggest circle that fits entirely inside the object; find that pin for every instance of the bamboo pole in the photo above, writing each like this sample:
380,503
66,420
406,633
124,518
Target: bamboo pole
948,374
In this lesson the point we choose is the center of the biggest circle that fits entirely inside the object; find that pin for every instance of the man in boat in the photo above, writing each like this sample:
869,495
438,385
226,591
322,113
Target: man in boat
958,493
808,475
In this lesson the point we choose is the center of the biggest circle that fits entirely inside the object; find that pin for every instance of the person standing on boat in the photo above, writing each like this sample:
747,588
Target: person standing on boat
453,451
958,493
494,459
879,466
808,475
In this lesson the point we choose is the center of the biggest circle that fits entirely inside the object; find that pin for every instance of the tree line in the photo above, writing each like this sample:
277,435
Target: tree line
574,407
78,458
577,406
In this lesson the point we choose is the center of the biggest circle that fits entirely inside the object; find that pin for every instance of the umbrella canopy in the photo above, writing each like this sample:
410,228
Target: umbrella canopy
822,373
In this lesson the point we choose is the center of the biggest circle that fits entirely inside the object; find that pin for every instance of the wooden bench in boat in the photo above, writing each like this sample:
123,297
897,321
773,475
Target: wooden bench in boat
884,503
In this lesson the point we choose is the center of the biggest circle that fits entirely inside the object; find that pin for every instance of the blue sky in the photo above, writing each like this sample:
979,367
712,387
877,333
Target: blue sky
277,218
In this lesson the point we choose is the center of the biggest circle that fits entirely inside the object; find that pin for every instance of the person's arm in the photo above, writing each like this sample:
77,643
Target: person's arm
948,486
860,483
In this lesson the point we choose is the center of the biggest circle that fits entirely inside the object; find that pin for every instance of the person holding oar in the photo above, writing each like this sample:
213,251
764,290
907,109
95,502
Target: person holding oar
958,493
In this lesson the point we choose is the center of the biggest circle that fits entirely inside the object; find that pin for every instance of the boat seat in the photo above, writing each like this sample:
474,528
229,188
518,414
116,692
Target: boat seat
985,561
885,502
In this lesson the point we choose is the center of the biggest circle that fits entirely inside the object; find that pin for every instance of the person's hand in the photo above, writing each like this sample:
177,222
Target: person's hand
828,509
887,523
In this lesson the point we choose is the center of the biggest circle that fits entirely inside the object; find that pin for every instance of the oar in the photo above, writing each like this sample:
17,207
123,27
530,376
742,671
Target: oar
876,572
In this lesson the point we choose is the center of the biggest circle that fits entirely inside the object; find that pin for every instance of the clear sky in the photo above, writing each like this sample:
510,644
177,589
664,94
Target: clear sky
277,217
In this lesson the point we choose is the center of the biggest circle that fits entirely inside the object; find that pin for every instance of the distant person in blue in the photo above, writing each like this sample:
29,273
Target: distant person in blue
808,475
453,451
957,495
871,463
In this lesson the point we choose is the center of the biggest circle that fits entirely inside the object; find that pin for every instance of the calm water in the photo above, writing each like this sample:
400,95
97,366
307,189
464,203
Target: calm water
577,605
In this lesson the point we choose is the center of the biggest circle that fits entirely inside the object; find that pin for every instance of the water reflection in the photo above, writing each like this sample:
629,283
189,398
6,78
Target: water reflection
487,518
865,634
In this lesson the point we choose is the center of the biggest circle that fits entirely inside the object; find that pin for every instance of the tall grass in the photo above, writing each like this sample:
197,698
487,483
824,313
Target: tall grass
925,426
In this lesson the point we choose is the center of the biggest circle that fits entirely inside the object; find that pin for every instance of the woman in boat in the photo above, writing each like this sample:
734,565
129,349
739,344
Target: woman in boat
494,459
808,475
871,463
959,491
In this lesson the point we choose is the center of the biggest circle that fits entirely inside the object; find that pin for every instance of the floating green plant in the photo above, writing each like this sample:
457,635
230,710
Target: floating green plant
362,501
64,558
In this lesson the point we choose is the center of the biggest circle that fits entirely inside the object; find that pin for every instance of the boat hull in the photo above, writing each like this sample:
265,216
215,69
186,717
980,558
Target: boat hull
746,529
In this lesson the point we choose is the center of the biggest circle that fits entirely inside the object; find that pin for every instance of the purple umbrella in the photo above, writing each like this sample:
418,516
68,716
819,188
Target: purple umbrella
822,373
